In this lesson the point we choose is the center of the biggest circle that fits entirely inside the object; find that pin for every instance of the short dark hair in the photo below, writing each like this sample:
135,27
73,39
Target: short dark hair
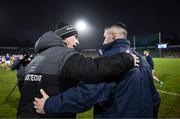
120,24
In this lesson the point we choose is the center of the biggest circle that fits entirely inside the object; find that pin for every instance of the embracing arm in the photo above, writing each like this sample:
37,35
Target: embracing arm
96,70
74,100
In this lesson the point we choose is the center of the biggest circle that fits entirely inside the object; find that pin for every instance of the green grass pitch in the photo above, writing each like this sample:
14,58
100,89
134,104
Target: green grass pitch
167,69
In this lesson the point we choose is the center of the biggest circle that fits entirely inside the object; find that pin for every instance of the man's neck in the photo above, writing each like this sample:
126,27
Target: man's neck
120,37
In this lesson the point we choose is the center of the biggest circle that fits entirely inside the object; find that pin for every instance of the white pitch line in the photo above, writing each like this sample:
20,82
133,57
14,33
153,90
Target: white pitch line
169,93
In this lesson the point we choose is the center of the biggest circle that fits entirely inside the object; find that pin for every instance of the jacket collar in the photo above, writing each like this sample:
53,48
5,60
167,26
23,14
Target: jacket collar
116,43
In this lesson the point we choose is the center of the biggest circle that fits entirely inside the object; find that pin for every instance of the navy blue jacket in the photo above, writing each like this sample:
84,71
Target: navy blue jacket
134,96
150,61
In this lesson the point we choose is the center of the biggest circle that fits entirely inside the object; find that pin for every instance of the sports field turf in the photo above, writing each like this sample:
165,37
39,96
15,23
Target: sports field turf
167,69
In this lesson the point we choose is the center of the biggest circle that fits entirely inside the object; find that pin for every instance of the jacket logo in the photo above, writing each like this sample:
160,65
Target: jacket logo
69,28
32,69
32,77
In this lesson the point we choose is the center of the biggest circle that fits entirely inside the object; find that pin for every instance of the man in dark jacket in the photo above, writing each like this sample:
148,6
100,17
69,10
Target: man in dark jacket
134,96
58,67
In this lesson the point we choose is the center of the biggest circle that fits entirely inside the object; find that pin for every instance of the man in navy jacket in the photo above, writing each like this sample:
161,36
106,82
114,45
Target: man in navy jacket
134,96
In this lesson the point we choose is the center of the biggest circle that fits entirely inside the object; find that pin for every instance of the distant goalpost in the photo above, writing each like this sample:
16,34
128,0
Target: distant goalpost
147,41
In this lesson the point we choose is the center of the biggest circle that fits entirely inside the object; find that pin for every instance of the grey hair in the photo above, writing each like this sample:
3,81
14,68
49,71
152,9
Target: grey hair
120,31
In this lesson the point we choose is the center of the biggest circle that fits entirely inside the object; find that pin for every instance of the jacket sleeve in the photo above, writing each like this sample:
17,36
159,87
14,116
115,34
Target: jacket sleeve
96,70
78,99
16,64
150,61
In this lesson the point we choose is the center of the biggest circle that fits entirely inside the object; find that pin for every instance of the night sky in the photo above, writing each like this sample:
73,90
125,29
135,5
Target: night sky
25,21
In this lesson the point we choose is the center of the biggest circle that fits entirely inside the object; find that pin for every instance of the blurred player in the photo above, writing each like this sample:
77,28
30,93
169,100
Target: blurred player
151,63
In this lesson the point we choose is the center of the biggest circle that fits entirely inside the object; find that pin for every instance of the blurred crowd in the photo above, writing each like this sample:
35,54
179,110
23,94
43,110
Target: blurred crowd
8,59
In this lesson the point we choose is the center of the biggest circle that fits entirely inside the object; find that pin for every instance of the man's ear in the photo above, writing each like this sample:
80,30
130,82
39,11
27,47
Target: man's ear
113,35
66,42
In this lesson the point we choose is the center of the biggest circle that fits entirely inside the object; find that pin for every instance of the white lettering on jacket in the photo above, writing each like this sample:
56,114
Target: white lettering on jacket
33,77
